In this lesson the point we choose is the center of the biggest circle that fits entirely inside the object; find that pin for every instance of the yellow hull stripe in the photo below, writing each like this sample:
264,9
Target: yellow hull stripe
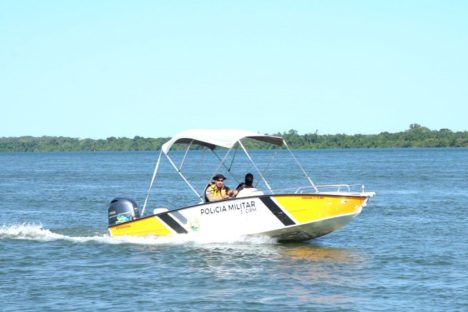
142,227
306,209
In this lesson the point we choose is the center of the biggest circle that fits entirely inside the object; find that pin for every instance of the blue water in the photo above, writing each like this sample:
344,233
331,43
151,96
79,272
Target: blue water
406,251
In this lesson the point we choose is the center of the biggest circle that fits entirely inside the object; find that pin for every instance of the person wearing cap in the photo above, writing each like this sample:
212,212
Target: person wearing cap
216,190
248,182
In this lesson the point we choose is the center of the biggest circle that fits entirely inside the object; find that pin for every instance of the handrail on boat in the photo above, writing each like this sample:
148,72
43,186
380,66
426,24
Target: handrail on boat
315,189
335,187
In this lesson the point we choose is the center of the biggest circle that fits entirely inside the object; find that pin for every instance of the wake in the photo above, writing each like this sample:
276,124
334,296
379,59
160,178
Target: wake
36,232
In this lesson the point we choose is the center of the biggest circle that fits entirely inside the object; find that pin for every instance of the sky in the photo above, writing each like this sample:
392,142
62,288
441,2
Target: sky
97,68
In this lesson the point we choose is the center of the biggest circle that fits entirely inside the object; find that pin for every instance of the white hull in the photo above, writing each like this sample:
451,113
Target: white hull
286,217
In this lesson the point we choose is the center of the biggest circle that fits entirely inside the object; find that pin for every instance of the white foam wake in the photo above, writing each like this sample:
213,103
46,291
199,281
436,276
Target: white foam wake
37,232
28,232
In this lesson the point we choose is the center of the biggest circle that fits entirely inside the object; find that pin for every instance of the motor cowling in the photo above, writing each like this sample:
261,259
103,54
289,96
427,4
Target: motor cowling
122,210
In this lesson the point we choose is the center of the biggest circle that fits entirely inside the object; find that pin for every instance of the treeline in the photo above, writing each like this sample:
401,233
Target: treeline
65,144
415,136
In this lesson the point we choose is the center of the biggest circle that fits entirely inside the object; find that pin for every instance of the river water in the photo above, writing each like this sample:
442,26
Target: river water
407,250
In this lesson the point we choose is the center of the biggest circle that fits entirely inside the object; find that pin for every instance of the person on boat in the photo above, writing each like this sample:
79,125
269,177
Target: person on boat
246,188
216,190
248,182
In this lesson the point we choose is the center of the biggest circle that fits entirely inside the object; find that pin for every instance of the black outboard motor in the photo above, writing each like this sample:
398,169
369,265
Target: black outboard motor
122,210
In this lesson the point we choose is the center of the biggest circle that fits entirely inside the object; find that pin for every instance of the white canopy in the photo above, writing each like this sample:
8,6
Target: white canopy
213,138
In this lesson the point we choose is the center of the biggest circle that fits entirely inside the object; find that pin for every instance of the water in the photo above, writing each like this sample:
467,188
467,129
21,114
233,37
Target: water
406,251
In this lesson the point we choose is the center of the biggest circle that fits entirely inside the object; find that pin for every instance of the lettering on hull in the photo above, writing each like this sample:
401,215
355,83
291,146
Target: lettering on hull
242,207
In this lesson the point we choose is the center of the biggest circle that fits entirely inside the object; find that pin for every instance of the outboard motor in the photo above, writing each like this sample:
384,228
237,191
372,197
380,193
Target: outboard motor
122,210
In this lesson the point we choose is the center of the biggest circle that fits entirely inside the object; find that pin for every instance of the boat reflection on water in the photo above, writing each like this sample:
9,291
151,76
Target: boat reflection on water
293,272
319,253
320,273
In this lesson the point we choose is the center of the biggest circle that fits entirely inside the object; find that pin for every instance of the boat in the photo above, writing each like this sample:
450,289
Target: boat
294,213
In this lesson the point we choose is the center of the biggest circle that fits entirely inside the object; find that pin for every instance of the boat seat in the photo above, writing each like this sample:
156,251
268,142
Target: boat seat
251,191
159,210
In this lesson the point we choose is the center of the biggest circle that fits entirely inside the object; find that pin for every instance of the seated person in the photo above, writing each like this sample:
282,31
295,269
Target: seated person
216,190
248,182
246,188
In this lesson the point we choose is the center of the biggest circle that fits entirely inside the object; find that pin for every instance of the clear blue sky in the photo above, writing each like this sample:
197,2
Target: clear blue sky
94,69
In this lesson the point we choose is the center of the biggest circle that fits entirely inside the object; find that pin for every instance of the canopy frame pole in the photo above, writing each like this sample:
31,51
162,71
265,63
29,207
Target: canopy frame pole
185,155
302,168
151,184
183,177
221,162
267,167
256,168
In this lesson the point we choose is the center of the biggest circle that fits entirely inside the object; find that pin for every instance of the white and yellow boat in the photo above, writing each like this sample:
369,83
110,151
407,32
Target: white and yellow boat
293,214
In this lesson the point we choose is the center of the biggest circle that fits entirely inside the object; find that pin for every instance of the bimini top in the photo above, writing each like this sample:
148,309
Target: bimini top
212,138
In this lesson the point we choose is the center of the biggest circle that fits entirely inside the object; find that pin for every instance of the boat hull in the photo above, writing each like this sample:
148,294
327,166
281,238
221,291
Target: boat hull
291,217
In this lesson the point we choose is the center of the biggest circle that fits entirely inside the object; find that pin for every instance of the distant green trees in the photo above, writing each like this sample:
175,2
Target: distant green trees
415,136
62,144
